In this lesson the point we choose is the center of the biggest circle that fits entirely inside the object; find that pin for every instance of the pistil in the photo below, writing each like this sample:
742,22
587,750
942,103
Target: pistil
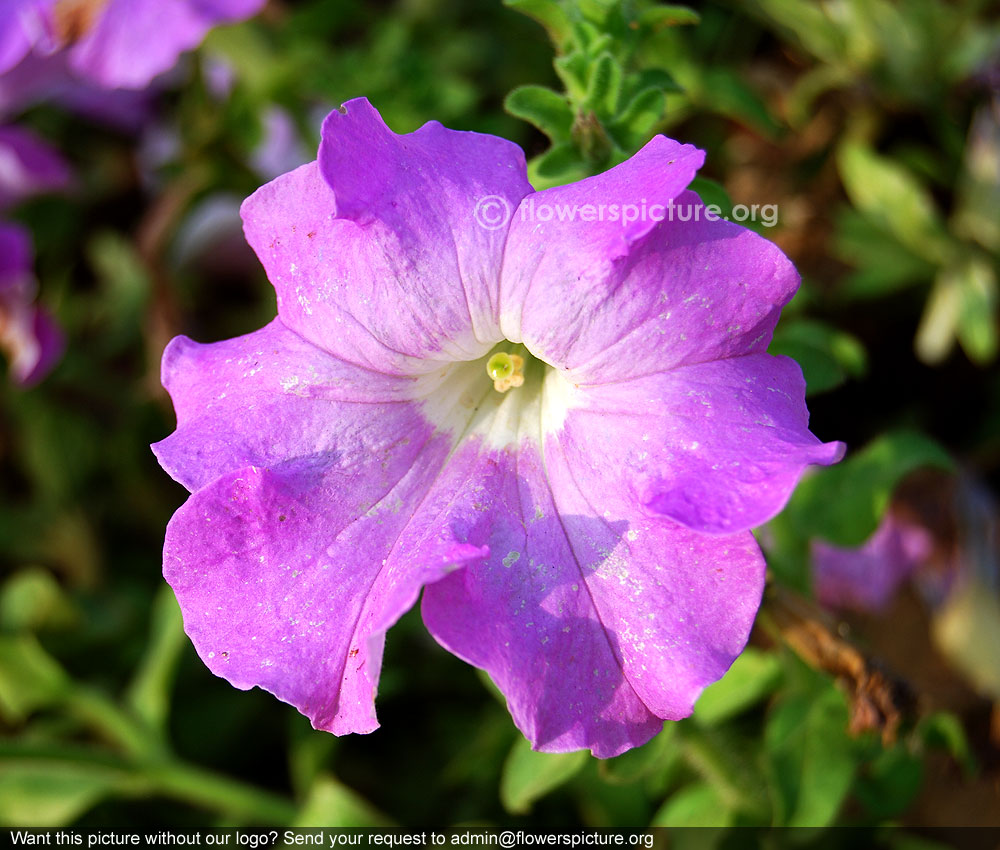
505,370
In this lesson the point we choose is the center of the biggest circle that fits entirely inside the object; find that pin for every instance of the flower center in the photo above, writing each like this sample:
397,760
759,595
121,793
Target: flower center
458,401
506,369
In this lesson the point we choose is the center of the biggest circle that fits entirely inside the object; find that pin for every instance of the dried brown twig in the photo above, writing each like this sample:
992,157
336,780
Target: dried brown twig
878,701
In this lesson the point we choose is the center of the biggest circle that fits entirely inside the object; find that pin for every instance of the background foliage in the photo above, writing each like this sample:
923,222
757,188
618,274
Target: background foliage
875,128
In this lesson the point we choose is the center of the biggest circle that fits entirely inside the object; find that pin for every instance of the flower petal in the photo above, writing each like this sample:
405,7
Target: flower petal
271,396
716,446
288,579
867,577
22,24
525,615
690,291
389,267
596,628
300,546
31,339
566,243
134,41
28,166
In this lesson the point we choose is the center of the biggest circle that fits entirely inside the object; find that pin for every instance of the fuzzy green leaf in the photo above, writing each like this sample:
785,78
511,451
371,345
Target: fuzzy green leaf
548,110
604,85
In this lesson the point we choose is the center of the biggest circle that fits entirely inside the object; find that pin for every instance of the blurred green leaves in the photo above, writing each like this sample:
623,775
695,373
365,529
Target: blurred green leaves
828,356
55,791
752,678
528,775
843,504
893,200
809,758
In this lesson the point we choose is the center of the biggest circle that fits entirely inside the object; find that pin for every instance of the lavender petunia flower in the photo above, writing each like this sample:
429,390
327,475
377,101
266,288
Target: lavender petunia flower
111,43
866,577
560,429
30,338
28,166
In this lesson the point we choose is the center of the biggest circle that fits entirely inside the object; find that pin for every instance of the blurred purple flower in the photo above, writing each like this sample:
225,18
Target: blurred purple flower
583,537
40,78
280,148
67,49
28,166
866,577
29,337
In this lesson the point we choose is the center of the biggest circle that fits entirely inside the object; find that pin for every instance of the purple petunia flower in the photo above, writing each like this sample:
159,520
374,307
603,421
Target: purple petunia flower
110,43
866,577
559,427
29,337
28,166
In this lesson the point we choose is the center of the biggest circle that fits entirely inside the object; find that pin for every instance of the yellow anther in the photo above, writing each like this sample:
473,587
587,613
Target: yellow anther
506,371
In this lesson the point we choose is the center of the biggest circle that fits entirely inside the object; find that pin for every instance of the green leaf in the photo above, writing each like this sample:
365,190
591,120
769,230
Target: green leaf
810,23
694,805
549,14
574,71
125,282
809,86
50,793
939,324
884,264
943,729
332,804
890,782
977,318
633,126
245,48
654,78
725,92
658,17
549,111
640,762
963,305
528,776
559,165
604,85
753,676
893,198
591,38
843,504
810,756
29,677
33,599
828,356
712,194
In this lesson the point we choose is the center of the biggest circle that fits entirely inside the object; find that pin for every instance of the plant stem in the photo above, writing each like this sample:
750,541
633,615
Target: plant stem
230,797
723,769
